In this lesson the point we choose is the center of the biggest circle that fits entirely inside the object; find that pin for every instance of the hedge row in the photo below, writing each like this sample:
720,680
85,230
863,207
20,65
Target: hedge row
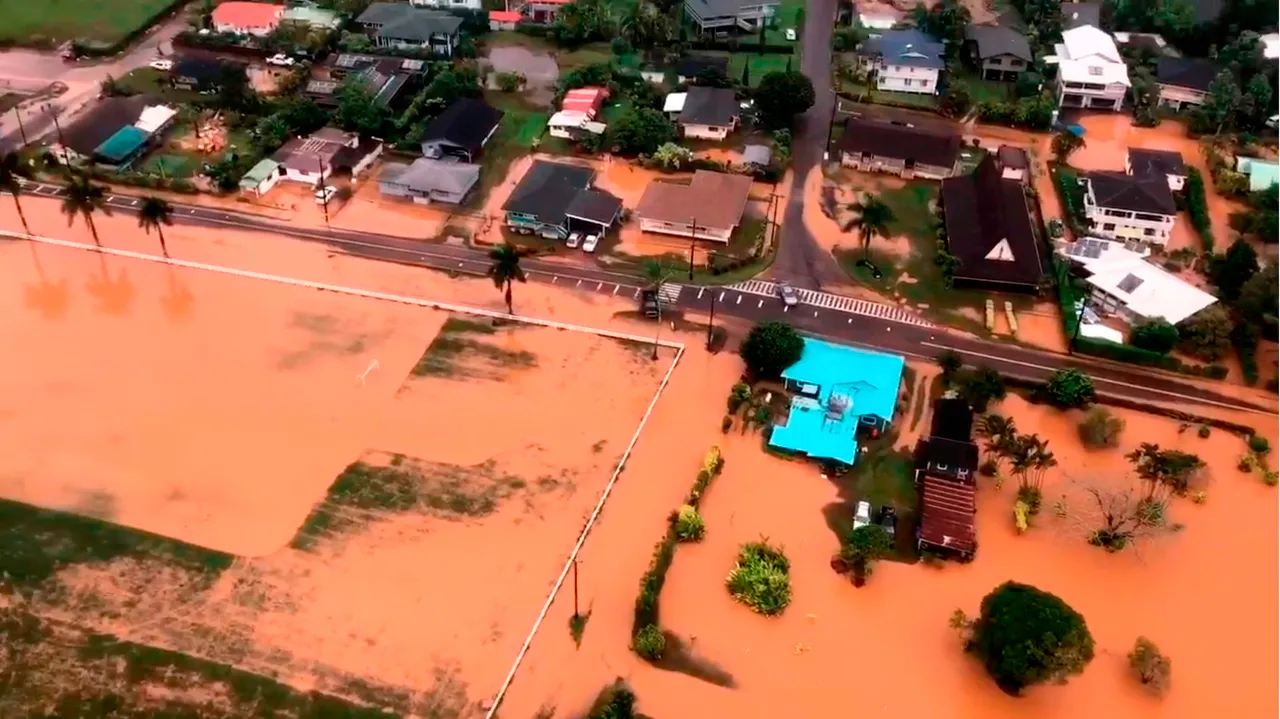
1146,358
1198,208
646,610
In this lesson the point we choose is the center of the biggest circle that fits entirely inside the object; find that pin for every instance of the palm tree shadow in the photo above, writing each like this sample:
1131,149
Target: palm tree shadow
48,298
679,656
178,302
114,294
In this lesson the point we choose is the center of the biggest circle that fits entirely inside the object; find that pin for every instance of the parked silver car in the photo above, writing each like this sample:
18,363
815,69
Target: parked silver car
788,294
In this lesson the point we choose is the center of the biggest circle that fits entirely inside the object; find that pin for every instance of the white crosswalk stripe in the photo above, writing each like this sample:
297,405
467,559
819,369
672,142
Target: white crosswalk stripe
829,300
669,293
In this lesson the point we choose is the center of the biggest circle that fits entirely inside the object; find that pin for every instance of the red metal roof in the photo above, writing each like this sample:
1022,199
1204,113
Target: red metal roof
947,512
505,15
586,100
247,14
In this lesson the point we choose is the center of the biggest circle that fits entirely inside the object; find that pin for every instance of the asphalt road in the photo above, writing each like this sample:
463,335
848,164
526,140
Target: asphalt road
870,324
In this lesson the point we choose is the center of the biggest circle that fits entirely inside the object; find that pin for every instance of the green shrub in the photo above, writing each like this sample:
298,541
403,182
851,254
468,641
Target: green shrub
616,701
759,579
649,643
770,348
689,525
726,424
1026,636
740,393
1198,208
1101,429
1259,444
989,468
1154,336
1204,431
1069,388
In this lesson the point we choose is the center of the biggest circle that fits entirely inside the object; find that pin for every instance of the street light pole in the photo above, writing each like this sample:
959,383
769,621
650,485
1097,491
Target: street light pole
831,124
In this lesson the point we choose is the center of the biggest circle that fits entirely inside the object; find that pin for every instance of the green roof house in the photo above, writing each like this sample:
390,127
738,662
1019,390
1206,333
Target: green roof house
122,147
1261,174
260,178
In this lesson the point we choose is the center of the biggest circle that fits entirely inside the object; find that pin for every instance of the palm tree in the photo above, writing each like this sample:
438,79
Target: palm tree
997,430
12,173
155,213
85,198
871,218
506,269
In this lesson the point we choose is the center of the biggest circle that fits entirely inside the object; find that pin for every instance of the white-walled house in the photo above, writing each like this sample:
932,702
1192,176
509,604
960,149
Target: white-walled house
449,4
1128,207
1122,283
1091,72
903,61
1184,81
708,113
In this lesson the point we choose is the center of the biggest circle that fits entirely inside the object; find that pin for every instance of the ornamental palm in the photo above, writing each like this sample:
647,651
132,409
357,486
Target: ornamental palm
871,218
506,269
85,198
155,213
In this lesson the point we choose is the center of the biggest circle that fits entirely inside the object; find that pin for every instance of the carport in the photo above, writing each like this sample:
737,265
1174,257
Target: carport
593,212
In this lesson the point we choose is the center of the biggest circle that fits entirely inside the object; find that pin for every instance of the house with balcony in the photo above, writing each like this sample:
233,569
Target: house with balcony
555,198
903,61
1184,81
1162,163
1125,207
400,25
719,18
1000,53
1091,72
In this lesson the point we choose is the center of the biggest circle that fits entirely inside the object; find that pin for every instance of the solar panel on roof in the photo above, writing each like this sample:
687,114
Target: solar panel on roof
1129,284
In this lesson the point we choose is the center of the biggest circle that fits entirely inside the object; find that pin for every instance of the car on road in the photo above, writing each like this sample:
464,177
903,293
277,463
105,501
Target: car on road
788,294
162,65
791,34
574,239
325,195
589,244
280,59
862,517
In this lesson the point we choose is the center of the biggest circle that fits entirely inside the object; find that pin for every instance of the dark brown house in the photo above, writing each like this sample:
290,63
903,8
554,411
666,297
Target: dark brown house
946,472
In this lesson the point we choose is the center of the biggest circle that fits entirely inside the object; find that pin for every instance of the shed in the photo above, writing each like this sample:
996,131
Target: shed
122,147
260,178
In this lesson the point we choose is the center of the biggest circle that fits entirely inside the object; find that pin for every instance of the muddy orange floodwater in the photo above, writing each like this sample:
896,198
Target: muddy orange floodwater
509,435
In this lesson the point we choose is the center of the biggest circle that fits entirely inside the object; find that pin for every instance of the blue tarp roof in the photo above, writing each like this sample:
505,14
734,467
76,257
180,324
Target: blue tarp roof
121,146
864,382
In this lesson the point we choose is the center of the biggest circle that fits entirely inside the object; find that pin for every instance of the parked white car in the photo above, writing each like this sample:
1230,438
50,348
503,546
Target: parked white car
862,517
162,65
280,59
326,194
791,34
589,244
574,239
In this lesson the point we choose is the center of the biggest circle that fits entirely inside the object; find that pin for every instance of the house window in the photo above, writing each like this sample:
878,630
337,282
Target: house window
1095,71
1108,227
1149,232
1015,62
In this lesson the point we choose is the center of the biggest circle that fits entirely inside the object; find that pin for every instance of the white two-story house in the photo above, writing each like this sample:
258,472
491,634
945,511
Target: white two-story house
399,25
1001,52
1129,207
449,4
724,17
903,61
1184,81
1091,72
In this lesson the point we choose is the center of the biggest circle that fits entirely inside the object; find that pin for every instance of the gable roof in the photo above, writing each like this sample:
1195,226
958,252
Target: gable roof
994,41
1075,14
905,47
547,190
426,175
1156,162
466,123
695,65
121,145
947,511
707,9
1192,73
927,143
717,106
1086,41
1145,289
989,228
311,15
247,14
1133,193
948,456
952,419
404,22
711,199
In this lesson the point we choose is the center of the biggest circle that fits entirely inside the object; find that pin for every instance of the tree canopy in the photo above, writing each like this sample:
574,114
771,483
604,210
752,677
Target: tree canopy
1206,334
1025,636
770,348
783,95
1068,388
641,131
1155,335
1233,269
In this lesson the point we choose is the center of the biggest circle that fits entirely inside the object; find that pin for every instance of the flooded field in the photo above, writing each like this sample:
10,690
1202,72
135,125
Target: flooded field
888,647
333,493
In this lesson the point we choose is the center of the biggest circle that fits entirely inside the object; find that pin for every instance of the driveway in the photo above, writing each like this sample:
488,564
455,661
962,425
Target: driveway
30,71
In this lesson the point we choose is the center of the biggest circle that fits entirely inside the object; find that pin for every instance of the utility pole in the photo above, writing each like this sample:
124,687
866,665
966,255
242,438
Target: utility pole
575,586
711,323
324,194
22,129
835,104
693,241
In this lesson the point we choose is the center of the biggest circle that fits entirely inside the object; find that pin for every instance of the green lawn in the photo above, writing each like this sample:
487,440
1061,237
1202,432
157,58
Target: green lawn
917,278
760,65
174,162
982,90
153,83
515,137
865,93
784,20
39,22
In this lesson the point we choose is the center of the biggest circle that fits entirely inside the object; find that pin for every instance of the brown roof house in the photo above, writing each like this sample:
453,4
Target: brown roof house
989,226
946,471
315,159
710,207
927,150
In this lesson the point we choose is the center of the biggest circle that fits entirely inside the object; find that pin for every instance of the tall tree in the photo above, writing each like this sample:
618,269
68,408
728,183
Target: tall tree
783,95
84,198
1234,268
1065,143
12,173
506,269
1259,95
871,218
155,213
1219,108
